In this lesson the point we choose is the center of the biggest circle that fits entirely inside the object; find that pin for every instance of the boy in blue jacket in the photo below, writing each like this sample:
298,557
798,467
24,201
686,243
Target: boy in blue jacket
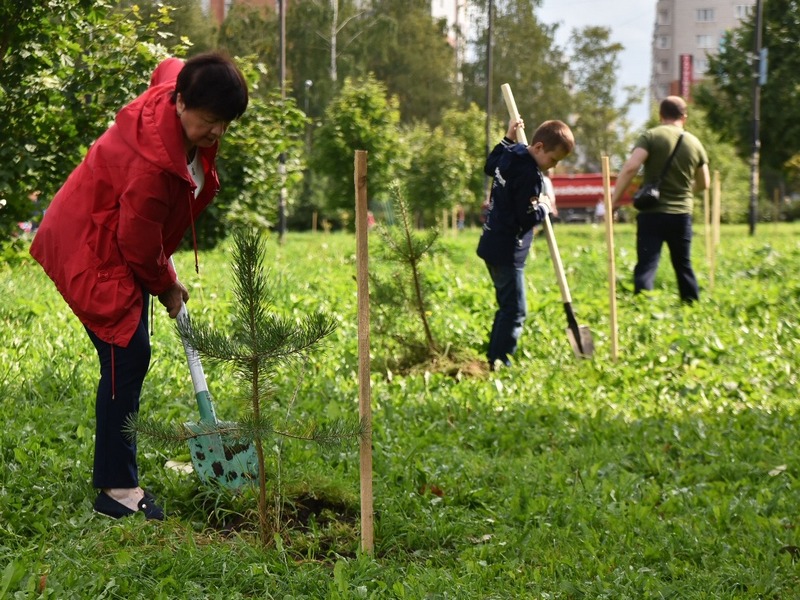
516,205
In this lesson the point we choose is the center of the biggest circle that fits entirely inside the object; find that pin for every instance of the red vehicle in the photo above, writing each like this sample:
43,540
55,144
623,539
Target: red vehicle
577,195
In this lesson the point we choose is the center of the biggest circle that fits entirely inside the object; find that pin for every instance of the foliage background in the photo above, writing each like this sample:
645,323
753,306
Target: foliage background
61,81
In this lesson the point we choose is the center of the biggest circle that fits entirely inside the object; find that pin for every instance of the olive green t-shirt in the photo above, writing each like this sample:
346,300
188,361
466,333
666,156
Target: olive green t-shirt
677,196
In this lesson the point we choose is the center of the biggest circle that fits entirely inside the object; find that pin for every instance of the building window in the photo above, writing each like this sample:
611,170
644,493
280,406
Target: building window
700,66
664,17
705,41
663,42
705,15
663,66
742,11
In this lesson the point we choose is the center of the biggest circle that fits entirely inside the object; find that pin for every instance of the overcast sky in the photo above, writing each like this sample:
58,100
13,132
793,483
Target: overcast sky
631,24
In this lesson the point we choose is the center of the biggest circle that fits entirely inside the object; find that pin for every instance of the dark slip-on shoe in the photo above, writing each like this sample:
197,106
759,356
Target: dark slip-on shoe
106,505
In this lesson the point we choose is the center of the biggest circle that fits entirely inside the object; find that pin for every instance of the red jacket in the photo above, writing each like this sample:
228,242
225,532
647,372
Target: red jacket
111,228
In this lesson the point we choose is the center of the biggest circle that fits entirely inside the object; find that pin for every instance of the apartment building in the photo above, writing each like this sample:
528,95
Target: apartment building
685,34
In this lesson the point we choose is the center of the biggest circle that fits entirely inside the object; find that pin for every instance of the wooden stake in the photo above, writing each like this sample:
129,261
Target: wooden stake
776,205
717,212
364,385
715,221
612,269
707,222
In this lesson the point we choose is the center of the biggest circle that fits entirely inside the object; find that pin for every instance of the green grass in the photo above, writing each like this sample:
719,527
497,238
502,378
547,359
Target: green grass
670,473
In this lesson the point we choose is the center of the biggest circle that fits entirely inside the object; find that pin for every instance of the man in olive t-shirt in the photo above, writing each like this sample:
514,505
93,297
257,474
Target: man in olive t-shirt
670,220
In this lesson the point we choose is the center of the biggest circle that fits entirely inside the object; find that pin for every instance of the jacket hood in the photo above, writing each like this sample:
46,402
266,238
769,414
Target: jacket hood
150,126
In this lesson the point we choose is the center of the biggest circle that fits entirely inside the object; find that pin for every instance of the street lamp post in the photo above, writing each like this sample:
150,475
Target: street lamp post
489,90
755,158
282,157
308,85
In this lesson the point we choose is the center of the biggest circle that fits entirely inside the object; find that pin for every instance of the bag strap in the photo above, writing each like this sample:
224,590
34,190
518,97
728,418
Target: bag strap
667,164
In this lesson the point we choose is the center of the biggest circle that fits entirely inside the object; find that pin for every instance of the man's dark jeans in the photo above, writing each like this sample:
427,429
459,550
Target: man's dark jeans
509,286
652,231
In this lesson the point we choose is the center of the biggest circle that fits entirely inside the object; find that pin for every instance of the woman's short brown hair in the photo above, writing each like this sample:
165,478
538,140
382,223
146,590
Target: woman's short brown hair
211,81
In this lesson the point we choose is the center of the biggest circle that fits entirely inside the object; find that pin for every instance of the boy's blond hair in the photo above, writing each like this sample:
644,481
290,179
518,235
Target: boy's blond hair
554,135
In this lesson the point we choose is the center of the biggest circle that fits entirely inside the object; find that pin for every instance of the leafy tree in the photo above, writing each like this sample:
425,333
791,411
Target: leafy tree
249,166
361,117
253,32
727,97
469,127
734,171
178,20
600,127
408,51
438,173
66,67
321,38
525,55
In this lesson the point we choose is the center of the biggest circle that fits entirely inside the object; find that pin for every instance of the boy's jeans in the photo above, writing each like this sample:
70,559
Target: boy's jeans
509,285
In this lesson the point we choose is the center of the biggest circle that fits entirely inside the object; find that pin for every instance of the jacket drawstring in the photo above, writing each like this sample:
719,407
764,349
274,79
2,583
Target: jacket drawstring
152,315
194,243
194,236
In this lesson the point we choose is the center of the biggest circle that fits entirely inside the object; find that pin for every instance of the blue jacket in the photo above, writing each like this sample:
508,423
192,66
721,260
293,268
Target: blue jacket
517,183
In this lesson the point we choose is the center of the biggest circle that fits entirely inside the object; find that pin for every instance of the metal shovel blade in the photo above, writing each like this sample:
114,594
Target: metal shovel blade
582,345
230,464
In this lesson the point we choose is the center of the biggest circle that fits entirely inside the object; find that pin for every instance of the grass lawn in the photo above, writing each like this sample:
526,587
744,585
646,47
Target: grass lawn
671,472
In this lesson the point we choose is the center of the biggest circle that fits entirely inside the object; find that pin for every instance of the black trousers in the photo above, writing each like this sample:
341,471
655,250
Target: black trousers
652,231
122,373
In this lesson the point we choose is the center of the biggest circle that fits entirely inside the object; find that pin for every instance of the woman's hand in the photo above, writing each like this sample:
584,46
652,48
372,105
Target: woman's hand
173,298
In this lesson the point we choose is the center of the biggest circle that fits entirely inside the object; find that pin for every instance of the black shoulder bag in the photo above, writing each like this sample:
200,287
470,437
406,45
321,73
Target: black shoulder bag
647,196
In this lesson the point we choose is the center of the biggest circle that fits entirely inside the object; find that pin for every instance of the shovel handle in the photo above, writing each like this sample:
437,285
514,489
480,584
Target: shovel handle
555,256
201,393
558,266
513,113
192,357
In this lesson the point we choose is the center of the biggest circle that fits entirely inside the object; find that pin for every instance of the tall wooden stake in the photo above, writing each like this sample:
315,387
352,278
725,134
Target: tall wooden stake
755,156
707,222
282,155
612,269
364,391
716,207
716,197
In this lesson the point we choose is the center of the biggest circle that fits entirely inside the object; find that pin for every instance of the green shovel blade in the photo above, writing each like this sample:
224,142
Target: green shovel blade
217,458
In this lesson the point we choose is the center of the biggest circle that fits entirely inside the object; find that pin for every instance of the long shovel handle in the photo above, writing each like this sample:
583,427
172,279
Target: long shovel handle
566,298
201,393
555,256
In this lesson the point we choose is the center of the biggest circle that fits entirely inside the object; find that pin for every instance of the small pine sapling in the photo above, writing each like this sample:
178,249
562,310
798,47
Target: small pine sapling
258,342
405,290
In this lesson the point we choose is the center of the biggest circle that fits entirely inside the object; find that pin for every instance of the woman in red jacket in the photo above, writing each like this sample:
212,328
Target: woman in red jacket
107,236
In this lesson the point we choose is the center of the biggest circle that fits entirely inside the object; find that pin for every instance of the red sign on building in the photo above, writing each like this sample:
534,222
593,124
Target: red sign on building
687,75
